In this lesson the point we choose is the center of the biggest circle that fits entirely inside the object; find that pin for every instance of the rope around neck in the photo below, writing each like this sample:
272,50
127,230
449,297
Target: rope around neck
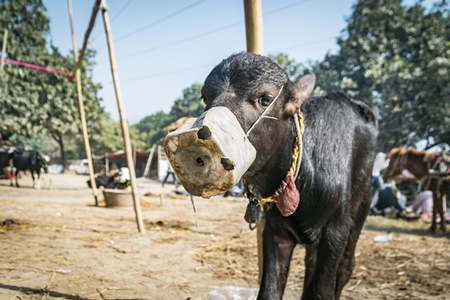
296,156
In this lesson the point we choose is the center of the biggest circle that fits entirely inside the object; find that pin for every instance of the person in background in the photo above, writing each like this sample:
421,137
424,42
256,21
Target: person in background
423,206
170,172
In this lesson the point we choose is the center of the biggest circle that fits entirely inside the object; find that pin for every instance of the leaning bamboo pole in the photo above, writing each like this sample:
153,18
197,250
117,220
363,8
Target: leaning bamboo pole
254,34
81,108
149,161
123,122
86,36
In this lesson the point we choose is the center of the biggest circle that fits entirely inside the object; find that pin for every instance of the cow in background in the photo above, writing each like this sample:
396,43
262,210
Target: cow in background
27,160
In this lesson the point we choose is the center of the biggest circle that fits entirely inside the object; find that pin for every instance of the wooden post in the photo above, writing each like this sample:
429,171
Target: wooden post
81,108
254,26
134,156
106,165
149,161
123,121
5,37
254,33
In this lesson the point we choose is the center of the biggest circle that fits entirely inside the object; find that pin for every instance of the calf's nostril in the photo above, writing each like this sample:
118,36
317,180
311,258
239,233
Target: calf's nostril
204,133
227,164
200,162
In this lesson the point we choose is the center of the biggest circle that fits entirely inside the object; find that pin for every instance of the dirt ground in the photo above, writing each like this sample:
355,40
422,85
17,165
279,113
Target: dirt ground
55,244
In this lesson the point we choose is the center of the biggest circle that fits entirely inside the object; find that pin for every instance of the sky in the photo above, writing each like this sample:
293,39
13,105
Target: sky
163,47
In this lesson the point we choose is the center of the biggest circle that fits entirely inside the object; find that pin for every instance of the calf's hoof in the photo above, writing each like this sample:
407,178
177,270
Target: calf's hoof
433,229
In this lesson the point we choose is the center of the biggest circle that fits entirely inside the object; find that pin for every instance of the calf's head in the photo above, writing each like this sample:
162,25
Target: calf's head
246,125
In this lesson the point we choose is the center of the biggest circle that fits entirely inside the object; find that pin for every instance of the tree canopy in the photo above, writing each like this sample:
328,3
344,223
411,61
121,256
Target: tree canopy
34,102
189,104
392,55
396,57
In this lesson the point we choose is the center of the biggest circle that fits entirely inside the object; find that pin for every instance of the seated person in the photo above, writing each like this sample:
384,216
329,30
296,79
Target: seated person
423,207
388,199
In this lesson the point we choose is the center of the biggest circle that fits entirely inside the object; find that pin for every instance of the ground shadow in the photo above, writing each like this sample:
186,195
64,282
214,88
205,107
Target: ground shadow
399,228
28,290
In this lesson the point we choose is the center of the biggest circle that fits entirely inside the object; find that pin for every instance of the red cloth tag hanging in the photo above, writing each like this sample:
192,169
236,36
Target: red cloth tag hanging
287,197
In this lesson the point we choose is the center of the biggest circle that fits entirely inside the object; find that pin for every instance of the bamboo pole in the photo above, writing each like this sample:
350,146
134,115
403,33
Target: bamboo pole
123,122
254,34
134,156
149,161
86,36
106,165
5,37
254,26
81,108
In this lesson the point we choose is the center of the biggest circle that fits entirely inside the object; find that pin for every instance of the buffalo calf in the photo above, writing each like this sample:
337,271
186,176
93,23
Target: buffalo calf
325,205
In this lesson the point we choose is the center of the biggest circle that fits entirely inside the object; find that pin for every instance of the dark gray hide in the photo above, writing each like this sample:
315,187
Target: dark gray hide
27,160
339,147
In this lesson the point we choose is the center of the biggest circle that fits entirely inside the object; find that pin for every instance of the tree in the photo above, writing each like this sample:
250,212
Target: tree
327,77
397,58
35,102
294,69
152,125
59,108
27,28
189,104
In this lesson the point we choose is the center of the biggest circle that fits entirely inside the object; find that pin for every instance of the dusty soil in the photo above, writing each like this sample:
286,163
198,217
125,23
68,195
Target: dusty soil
55,244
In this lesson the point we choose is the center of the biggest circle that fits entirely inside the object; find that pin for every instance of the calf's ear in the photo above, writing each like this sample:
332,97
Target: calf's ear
301,90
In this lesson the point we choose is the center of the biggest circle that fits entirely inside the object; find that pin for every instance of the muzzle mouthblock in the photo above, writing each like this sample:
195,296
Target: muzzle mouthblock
209,154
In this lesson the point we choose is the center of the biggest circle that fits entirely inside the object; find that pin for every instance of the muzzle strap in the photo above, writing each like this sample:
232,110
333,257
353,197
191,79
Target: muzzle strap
266,111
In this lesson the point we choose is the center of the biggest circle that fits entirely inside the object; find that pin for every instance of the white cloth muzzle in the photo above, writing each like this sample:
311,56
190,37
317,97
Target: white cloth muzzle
211,153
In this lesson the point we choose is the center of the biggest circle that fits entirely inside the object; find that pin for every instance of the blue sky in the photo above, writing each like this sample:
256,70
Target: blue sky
163,47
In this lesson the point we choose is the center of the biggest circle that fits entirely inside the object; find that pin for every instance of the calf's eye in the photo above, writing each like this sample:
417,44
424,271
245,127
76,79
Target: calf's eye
265,100
203,98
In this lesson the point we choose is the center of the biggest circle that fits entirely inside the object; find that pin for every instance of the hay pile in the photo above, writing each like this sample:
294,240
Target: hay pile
235,256
413,265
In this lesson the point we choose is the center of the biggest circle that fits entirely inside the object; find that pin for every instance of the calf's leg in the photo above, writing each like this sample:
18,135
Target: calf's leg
347,262
310,263
34,181
277,253
17,178
328,253
38,182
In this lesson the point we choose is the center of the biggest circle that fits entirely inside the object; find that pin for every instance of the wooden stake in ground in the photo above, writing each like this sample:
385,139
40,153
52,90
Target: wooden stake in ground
149,161
106,164
5,37
123,121
81,108
254,33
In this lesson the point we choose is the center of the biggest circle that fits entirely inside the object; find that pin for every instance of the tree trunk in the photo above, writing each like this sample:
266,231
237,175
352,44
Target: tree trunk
60,141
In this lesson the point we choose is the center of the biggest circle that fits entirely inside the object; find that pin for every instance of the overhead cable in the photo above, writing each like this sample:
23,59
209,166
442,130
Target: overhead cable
208,32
